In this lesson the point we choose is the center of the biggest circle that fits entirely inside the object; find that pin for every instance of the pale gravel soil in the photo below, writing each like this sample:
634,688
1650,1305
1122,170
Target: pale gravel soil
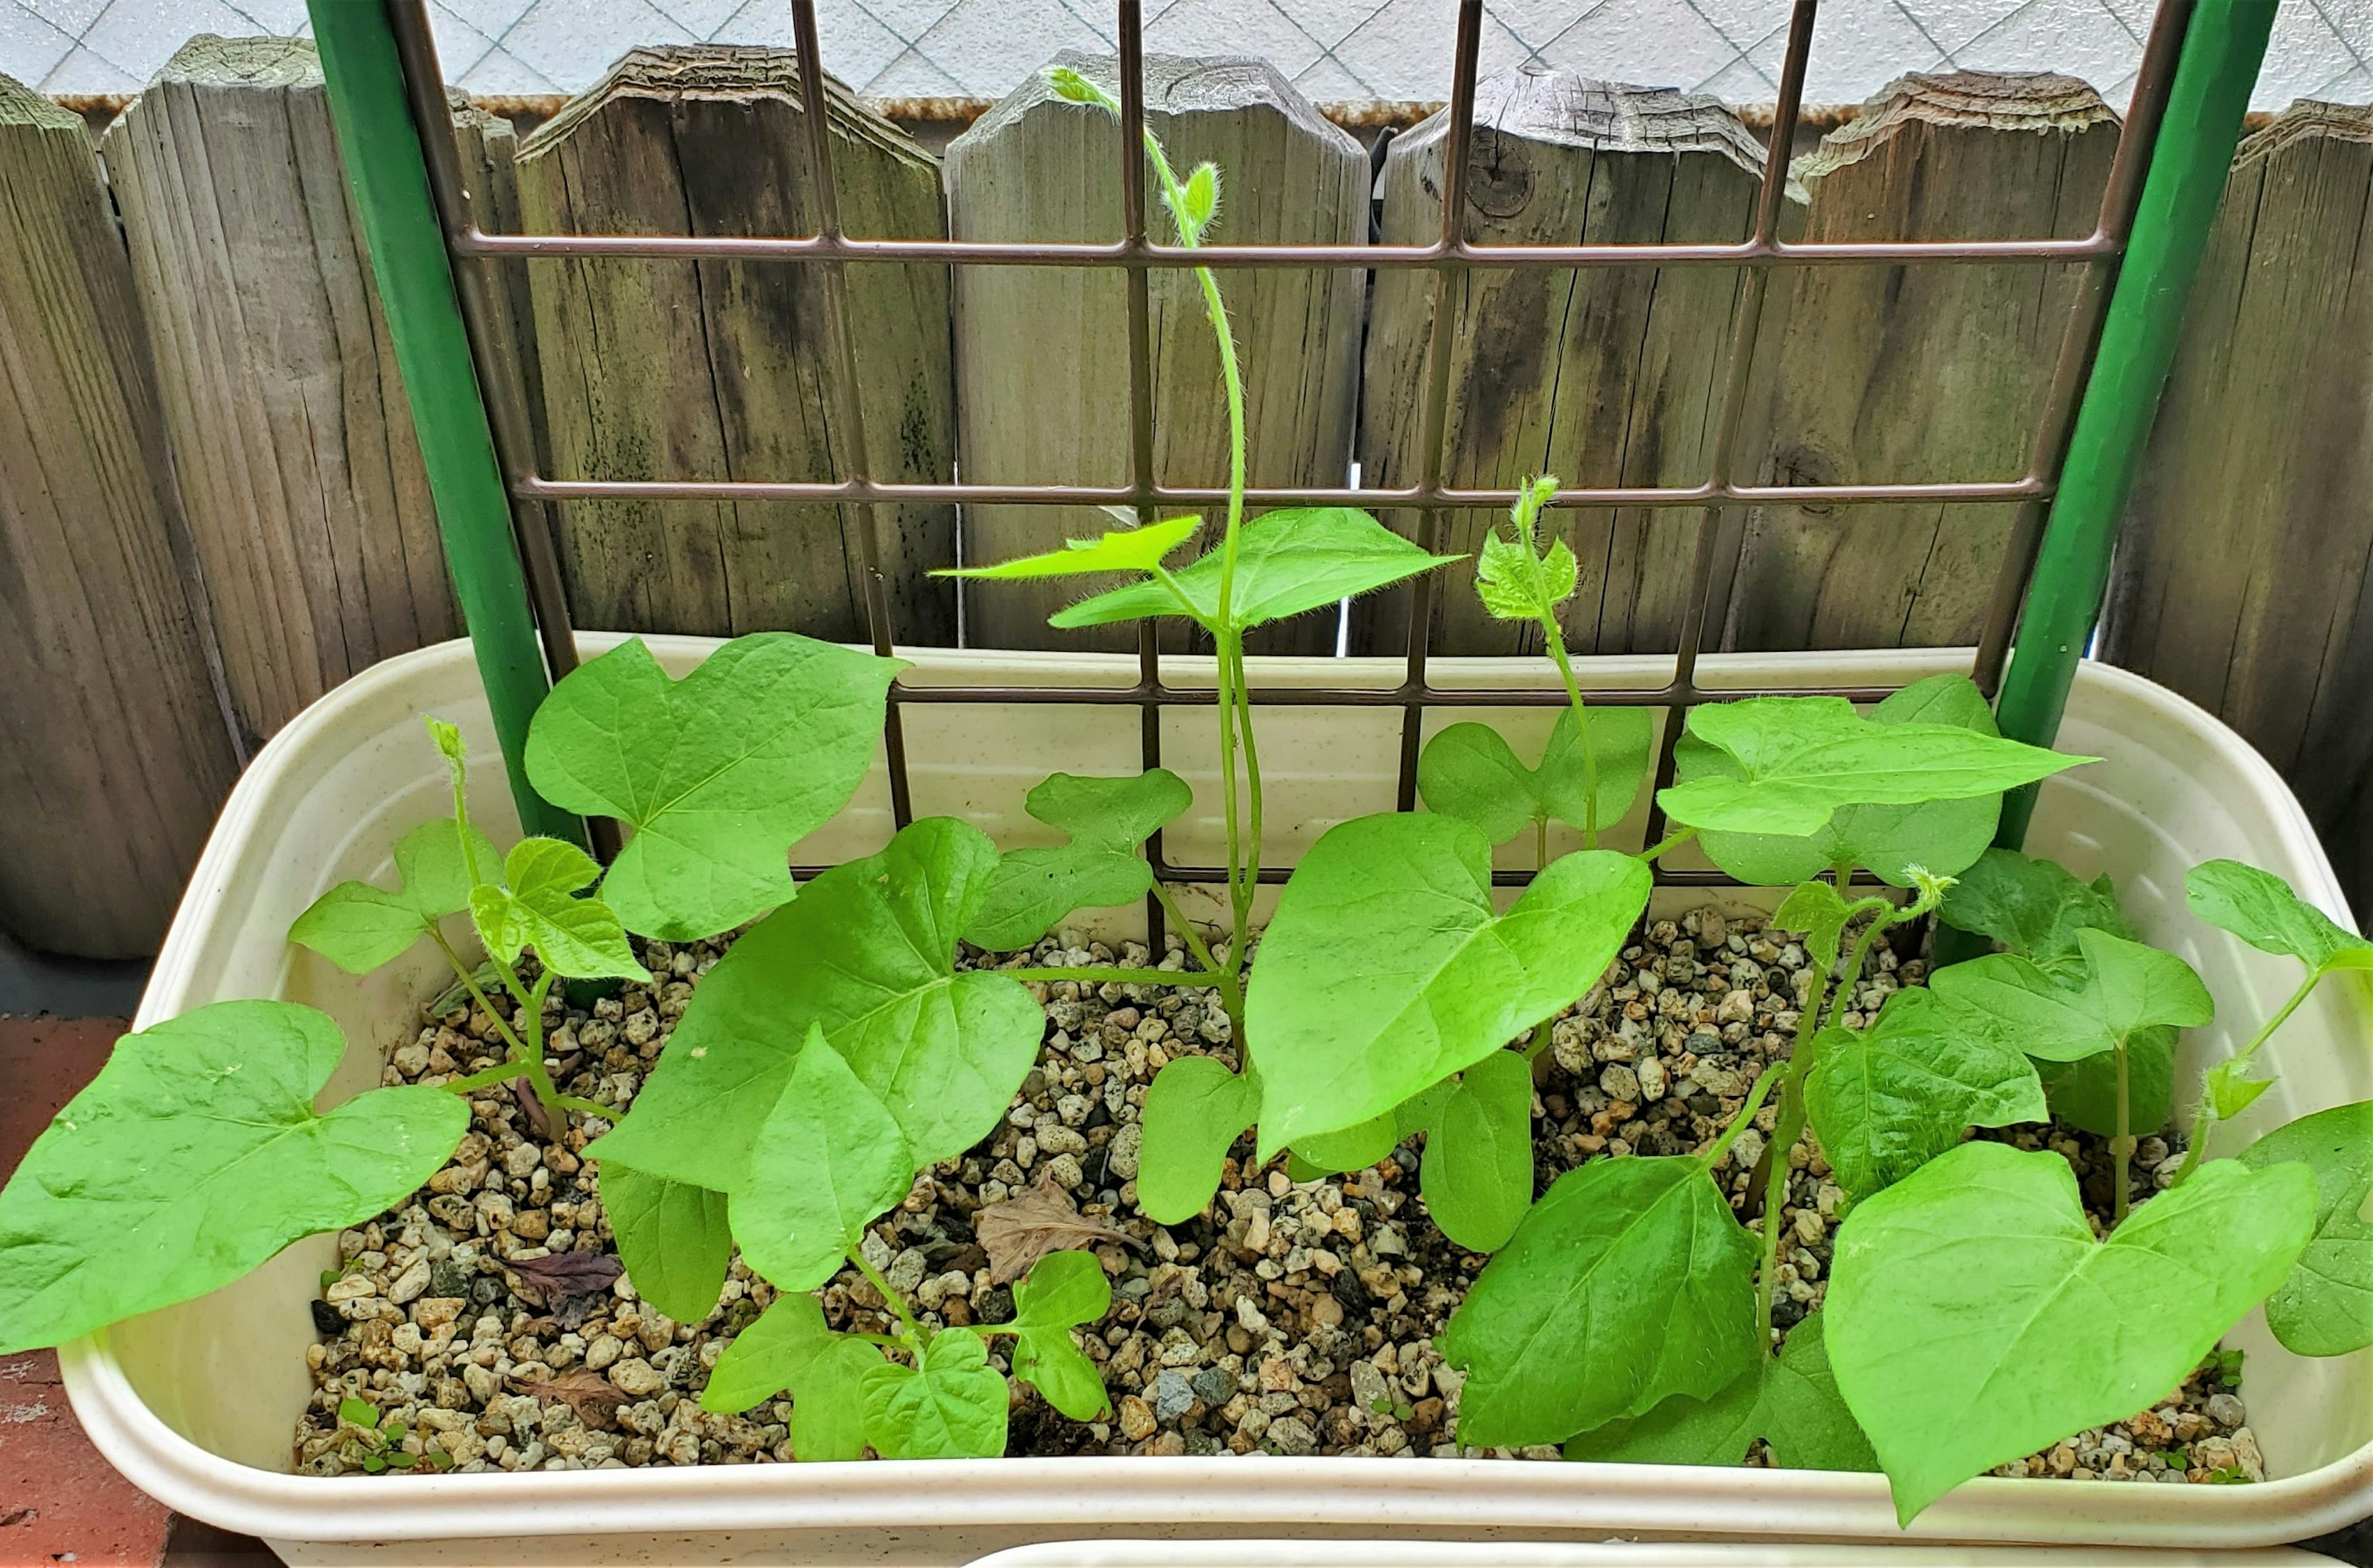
1290,1320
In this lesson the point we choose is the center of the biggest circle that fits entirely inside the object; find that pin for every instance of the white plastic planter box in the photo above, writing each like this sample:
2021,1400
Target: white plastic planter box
196,1403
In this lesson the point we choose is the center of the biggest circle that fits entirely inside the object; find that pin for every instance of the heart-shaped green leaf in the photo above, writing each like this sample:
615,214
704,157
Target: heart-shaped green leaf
195,1155
674,1239
1387,969
949,1406
1468,772
2034,907
1801,759
828,1160
1938,836
2325,1308
1107,820
867,950
1064,1291
1195,1110
1357,1148
579,938
1122,550
1477,1175
1287,561
1973,1318
1888,1099
718,773
2260,908
1627,1283
1789,1401
358,927
2127,988
790,1348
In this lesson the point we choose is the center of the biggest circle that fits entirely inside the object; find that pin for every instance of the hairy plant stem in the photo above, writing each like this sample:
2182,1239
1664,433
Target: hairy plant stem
2205,1118
1787,1126
1556,639
1668,844
2122,1148
1232,995
1745,1117
916,1336
526,1059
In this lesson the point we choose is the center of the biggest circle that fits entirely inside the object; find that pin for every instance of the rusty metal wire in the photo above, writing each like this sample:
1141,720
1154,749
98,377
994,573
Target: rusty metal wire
1757,256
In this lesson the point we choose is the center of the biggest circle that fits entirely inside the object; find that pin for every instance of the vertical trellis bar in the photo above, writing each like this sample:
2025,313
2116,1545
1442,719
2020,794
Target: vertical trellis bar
2222,50
382,150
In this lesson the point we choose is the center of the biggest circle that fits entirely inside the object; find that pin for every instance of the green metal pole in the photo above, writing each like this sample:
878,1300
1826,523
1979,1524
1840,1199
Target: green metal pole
2222,50
381,148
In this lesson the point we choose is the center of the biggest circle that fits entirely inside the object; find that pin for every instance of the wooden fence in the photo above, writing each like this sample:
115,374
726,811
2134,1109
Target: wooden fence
212,509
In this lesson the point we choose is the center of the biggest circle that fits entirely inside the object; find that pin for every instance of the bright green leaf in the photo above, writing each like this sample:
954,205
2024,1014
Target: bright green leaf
1468,772
1357,1148
1195,1110
952,1405
577,937
1504,580
868,951
1938,836
2034,907
1627,1283
1107,820
2230,1092
1388,970
1815,909
828,1402
828,1160
2127,988
1063,1291
1621,740
1287,561
1477,1175
1789,1401
2325,1308
674,1239
788,1348
1199,201
1800,758
193,1157
358,927
1122,550
2260,908
718,773
1888,1099
2085,1094
1973,1319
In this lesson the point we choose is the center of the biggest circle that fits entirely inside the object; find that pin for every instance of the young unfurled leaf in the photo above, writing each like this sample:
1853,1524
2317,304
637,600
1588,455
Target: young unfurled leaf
1503,578
1040,1222
867,950
2127,988
1072,87
1627,1283
1122,550
1800,758
577,937
1974,1318
788,1348
1065,1290
2260,908
1195,1110
2325,1308
1888,1099
1198,201
1468,772
358,927
1789,1401
949,1406
1107,820
197,1154
2231,1091
718,773
1477,1175
829,1158
2034,907
1287,561
673,1238
1815,909
1387,969
1939,836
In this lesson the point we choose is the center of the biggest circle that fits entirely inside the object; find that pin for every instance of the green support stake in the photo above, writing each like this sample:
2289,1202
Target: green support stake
381,148
2222,50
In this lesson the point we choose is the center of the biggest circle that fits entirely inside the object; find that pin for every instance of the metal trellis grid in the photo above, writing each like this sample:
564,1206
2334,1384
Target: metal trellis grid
475,252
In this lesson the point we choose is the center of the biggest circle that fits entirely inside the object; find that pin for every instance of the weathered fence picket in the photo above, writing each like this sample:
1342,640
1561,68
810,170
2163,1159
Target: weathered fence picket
113,750
697,370
297,466
1603,376
2241,579
1042,359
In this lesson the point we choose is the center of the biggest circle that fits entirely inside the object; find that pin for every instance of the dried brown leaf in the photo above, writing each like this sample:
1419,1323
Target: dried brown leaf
593,1397
1023,1229
556,1278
